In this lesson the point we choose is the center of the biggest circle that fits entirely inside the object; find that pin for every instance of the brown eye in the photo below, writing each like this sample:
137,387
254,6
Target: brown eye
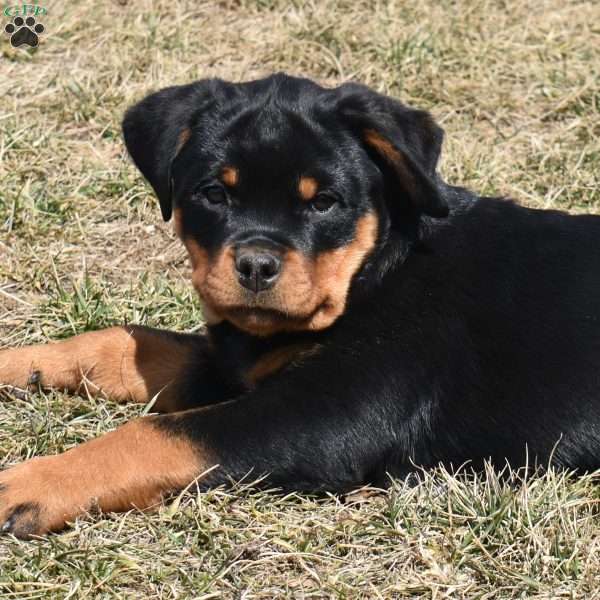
215,194
323,203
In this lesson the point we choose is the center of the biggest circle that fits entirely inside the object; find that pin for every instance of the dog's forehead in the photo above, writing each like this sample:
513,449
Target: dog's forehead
281,88
273,128
280,138
268,137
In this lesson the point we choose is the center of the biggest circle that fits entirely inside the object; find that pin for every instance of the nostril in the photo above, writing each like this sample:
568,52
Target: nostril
244,266
269,267
266,270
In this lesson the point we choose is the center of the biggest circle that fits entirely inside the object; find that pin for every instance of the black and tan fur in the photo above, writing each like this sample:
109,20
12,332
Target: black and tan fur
363,316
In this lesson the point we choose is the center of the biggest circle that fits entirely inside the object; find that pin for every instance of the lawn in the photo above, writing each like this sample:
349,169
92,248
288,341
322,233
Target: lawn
515,84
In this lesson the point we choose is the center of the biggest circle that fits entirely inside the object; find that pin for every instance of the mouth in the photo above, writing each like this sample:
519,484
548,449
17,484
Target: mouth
274,304
263,321
260,314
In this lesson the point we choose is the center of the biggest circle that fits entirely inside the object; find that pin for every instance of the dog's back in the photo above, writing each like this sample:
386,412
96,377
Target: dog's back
488,338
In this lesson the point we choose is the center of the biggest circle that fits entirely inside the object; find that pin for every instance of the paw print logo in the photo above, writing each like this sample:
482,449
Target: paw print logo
24,31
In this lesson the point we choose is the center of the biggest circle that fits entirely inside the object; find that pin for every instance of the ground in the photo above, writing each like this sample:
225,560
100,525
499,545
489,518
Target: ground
516,86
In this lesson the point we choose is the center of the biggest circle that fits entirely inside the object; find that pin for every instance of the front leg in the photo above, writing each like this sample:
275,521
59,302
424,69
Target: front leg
129,467
298,433
128,363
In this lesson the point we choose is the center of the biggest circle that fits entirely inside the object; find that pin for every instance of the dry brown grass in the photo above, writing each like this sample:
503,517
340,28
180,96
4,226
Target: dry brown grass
515,85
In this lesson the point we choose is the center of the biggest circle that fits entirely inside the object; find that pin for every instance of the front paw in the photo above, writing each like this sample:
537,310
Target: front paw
18,370
35,498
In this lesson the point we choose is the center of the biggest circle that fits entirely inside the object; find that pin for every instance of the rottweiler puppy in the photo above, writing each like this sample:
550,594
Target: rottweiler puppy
363,316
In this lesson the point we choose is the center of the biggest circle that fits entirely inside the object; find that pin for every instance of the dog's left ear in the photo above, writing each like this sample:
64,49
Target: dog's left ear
157,128
405,141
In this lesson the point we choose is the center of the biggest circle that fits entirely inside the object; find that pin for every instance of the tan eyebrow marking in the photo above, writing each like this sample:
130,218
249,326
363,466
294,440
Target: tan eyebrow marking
230,176
308,187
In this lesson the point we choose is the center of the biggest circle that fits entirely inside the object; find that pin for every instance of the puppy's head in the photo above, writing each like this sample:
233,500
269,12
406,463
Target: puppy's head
281,189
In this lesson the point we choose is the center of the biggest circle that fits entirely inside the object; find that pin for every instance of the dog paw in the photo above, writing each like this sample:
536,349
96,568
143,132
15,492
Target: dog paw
24,31
17,371
36,498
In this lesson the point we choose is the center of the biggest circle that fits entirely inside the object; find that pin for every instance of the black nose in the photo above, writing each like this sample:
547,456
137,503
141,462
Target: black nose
258,268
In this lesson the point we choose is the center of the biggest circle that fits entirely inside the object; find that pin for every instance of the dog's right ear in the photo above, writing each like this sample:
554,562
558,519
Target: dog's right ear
157,128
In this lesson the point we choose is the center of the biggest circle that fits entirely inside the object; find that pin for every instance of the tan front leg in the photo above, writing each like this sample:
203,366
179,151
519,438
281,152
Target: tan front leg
128,363
133,466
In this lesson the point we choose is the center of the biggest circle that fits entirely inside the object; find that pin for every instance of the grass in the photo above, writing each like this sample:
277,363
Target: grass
515,84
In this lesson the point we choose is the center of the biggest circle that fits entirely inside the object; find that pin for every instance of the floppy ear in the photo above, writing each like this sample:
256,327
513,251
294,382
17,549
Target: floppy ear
157,128
404,141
